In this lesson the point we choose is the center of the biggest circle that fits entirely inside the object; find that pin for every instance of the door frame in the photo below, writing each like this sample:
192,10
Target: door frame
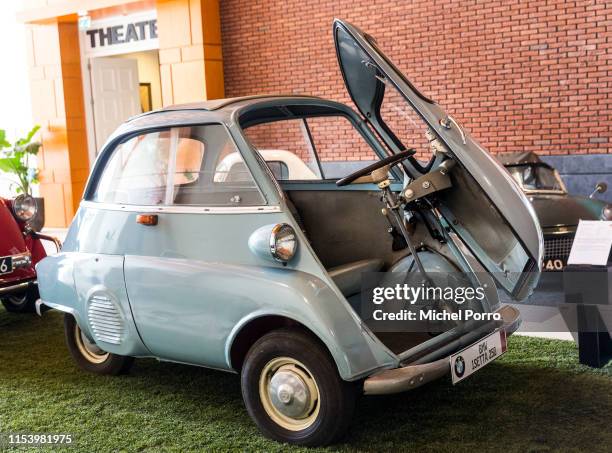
88,92
88,103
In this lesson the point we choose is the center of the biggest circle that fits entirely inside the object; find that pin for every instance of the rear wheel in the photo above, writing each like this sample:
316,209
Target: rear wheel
89,356
23,302
292,389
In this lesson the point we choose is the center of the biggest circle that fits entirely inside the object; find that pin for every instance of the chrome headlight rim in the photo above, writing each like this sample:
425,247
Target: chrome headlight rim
24,207
279,232
606,212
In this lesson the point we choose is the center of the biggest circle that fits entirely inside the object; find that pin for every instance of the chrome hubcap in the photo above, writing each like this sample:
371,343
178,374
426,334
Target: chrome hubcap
289,393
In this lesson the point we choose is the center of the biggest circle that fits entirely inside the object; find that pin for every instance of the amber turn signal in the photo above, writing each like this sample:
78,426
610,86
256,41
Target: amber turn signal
147,219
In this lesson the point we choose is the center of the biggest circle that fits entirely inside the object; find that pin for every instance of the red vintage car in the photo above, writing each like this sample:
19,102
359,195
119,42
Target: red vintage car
20,249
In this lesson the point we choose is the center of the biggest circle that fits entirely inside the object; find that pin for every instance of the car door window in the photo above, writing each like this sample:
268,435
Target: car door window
312,148
286,141
210,171
279,169
136,173
191,166
340,147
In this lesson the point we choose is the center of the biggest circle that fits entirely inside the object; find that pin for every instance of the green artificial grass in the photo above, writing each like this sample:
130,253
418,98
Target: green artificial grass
535,398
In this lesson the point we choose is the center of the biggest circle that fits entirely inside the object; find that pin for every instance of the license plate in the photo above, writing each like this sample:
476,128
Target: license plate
6,265
553,265
474,357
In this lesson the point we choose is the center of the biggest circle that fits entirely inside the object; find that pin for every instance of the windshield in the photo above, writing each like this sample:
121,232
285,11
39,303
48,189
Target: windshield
407,126
401,115
536,177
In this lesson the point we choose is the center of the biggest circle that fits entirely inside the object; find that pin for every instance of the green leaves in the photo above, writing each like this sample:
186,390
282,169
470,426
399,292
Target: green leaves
3,142
27,138
11,164
15,160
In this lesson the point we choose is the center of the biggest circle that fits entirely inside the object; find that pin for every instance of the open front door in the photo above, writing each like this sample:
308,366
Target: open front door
484,207
116,95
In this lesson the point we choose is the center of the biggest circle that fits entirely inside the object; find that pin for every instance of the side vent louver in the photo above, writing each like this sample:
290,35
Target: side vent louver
105,319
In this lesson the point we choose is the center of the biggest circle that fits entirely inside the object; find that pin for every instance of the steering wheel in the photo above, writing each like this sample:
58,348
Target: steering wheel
391,160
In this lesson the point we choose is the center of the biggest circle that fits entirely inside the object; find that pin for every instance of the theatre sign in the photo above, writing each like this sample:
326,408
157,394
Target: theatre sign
120,34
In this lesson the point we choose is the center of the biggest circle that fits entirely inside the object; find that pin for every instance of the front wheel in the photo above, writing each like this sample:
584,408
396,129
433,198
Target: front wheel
22,303
292,390
89,356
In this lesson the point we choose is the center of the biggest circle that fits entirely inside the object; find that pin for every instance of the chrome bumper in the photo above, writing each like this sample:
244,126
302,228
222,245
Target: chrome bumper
16,288
412,376
20,261
43,306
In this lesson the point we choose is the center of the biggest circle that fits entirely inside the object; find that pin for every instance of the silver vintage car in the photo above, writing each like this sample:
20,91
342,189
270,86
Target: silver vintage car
197,243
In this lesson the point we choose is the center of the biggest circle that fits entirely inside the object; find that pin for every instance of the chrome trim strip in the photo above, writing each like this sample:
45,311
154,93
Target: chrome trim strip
182,209
543,191
558,231
21,260
17,287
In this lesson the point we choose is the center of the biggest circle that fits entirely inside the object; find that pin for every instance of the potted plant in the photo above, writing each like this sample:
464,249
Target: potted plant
16,159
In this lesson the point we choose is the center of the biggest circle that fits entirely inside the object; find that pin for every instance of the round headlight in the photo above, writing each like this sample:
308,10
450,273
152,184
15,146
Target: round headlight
283,242
24,207
606,212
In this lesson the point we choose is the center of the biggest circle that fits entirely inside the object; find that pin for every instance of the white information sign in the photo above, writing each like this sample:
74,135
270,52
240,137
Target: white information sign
592,243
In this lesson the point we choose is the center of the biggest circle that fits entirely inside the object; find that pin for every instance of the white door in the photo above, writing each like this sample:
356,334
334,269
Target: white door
115,93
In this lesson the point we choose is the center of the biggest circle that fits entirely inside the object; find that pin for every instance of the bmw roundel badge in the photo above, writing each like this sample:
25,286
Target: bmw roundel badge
459,366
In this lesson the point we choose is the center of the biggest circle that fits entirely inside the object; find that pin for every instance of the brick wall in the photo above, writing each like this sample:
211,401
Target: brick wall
520,75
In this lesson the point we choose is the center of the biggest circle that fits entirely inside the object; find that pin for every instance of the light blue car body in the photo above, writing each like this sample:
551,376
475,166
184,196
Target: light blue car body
187,289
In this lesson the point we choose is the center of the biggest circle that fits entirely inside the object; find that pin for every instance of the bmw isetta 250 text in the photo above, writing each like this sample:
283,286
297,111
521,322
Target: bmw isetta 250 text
192,246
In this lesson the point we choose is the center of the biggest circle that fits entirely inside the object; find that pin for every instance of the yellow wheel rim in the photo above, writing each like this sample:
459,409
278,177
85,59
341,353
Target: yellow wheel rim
289,394
88,349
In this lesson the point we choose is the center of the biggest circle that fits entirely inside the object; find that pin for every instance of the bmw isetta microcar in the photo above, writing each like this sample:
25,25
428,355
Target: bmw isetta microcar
182,253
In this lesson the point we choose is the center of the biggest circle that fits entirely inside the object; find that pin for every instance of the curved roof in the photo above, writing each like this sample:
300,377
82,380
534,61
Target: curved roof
225,103
218,110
